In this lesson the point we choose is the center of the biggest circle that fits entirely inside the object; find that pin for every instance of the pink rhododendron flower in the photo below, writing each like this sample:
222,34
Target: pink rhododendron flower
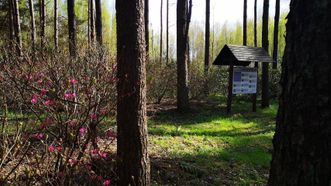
43,92
93,116
82,130
34,99
51,148
59,148
95,152
38,136
69,95
48,103
103,154
73,81
106,183
111,134
72,162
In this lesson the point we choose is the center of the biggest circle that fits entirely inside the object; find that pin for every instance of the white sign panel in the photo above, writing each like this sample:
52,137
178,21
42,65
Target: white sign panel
244,80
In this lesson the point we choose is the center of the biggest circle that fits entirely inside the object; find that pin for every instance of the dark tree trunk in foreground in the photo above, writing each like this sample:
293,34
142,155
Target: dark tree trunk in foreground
183,22
161,32
17,27
133,162
207,35
245,24
147,27
302,148
42,16
56,25
276,28
32,24
265,45
98,21
91,25
255,23
72,27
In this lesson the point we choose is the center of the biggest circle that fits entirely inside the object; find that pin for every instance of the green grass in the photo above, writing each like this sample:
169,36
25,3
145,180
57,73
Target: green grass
214,143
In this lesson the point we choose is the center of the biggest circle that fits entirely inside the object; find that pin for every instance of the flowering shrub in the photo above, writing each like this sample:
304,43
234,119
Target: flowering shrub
67,101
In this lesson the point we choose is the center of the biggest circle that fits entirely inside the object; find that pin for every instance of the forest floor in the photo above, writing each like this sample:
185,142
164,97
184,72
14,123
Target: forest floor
208,147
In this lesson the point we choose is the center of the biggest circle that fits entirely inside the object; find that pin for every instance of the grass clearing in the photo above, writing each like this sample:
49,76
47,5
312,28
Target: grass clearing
208,147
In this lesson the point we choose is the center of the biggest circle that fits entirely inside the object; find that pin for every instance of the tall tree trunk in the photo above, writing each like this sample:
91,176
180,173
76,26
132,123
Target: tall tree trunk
255,23
91,25
167,34
161,32
302,148
265,45
147,27
133,161
184,9
56,25
42,16
245,24
98,21
72,27
11,20
32,24
17,27
276,28
207,36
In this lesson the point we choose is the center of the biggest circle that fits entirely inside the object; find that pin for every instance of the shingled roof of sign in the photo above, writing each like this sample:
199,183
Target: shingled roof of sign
241,55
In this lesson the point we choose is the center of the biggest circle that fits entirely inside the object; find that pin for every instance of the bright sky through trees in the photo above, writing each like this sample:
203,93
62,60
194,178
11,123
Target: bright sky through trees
222,11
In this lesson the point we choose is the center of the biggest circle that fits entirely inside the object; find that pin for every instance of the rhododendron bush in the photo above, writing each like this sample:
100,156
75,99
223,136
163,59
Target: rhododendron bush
66,103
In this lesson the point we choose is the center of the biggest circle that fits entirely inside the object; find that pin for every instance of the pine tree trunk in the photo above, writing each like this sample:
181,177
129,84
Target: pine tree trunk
167,34
98,21
161,32
32,24
133,161
183,21
302,148
276,28
265,45
17,27
72,27
147,27
207,36
42,16
255,23
245,24
11,21
56,25
91,25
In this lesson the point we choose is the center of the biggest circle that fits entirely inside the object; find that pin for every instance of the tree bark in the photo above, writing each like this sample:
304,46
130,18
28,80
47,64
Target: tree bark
245,24
91,25
183,21
17,27
207,36
72,27
42,16
161,32
265,45
276,28
133,161
56,25
32,25
167,34
98,21
11,21
302,148
255,23
147,27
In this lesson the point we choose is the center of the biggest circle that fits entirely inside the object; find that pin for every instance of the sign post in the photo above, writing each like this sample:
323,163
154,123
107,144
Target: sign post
242,80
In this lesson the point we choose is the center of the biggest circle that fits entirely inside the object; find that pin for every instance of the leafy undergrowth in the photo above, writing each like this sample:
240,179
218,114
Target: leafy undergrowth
208,147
